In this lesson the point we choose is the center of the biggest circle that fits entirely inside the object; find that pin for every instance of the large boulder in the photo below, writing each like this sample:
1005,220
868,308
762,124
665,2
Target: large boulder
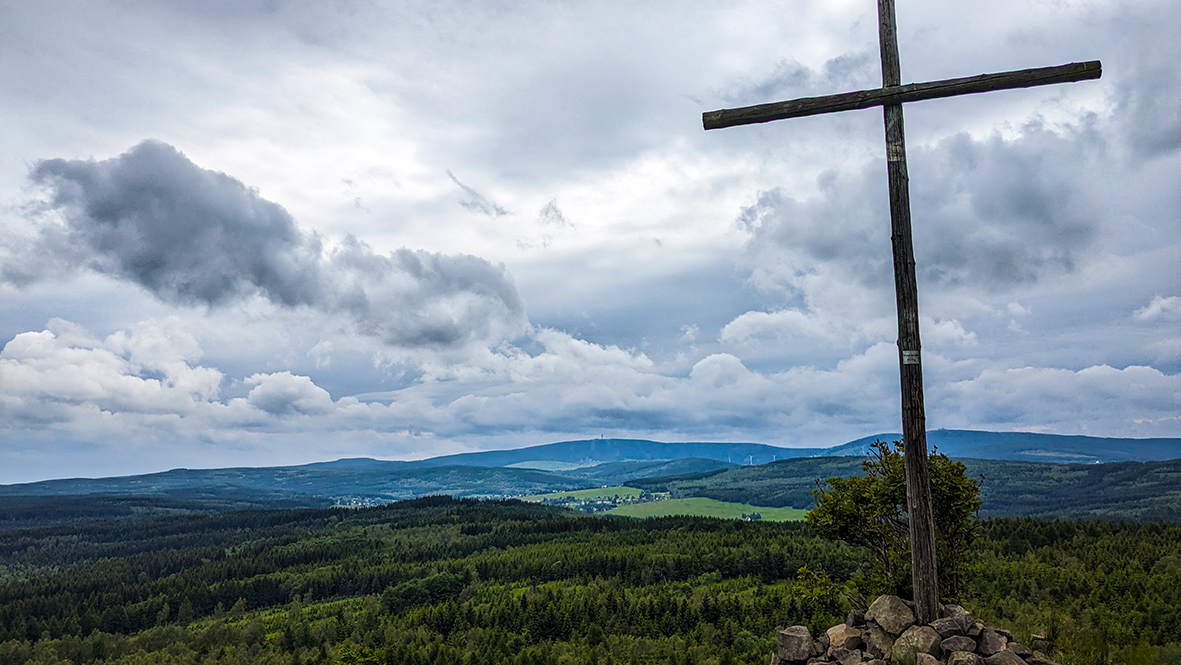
957,643
845,656
843,636
946,627
877,641
953,611
891,613
916,640
962,617
1019,649
820,646
990,642
926,659
795,644
964,658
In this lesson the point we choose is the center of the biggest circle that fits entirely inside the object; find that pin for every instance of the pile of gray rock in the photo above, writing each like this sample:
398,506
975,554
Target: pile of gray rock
887,633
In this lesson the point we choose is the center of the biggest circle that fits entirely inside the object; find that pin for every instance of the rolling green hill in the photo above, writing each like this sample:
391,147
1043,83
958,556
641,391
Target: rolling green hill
587,494
219,490
1121,490
615,472
1135,491
786,483
392,482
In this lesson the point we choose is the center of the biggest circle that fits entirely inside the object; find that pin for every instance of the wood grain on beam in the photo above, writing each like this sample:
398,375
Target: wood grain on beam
900,94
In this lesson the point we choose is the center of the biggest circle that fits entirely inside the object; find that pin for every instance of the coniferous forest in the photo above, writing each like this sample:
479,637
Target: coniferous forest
441,580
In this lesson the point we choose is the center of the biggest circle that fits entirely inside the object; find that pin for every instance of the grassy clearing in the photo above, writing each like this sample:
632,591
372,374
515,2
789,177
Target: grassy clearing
707,508
588,495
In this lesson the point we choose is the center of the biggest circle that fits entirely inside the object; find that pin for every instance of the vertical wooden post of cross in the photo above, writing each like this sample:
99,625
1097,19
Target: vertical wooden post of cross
914,419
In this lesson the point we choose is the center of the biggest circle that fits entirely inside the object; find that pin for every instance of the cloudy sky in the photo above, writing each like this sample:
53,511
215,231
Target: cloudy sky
275,232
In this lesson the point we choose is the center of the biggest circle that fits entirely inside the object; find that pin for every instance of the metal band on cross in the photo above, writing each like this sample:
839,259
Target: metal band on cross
891,96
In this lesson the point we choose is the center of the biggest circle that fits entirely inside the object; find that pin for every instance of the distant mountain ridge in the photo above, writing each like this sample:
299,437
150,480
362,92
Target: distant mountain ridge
597,451
1025,446
755,473
611,460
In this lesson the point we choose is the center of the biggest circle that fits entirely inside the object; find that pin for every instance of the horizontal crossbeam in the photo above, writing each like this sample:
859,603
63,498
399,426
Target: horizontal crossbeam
912,92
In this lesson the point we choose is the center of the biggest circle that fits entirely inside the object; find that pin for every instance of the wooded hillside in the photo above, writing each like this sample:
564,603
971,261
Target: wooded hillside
461,581
1135,491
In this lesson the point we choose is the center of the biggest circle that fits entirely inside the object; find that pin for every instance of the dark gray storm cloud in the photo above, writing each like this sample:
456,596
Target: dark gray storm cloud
992,213
844,225
197,237
1147,91
414,297
186,234
1151,105
1005,212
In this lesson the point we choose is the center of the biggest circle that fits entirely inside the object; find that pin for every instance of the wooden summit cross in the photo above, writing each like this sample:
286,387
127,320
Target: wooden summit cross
891,96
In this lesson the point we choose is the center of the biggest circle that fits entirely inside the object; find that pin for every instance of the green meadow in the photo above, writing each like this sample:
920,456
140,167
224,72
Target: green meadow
592,494
702,507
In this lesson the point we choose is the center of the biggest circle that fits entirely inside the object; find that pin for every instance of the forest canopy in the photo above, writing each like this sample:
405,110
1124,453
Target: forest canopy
463,581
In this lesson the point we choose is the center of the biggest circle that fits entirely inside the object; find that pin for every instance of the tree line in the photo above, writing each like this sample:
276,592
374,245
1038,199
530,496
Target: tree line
459,581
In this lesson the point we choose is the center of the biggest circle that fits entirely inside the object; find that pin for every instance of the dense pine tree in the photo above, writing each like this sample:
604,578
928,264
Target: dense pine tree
442,580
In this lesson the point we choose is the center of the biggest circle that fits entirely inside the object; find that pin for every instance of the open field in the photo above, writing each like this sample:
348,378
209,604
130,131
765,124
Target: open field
706,508
592,494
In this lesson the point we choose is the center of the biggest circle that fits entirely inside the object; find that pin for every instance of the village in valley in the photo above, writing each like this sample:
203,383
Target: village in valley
598,500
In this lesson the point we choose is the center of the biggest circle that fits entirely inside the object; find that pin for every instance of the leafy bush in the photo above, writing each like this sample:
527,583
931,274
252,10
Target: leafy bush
870,511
